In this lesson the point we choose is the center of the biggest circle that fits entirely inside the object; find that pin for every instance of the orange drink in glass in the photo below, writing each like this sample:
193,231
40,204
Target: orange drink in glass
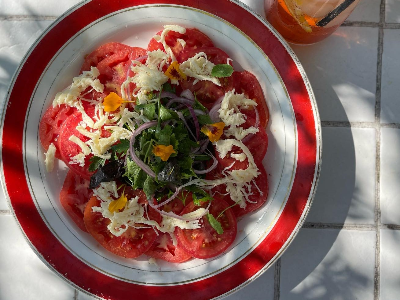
307,21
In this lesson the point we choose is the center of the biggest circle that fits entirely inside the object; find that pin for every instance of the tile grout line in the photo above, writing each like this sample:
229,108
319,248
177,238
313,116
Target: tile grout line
377,275
27,18
277,280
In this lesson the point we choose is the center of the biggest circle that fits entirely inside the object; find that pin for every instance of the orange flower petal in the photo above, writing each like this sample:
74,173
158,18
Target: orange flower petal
112,102
213,131
163,152
118,204
174,73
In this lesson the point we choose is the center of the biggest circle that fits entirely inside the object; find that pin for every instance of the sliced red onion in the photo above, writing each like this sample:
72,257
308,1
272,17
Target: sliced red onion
214,114
188,94
177,190
165,94
195,120
136,159
180,115
185,101
213,166
173,215
199,112
203,146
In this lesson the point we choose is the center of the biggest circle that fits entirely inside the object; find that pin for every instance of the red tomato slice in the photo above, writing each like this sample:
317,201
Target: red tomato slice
193,37
113,61
69,149
246,83
164,249
206,91
205,242
258,193
50,124
74,195
132,243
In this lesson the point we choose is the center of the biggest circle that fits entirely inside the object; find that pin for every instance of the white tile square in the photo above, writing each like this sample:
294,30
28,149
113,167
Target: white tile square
392,13
366,11
390,108
329,264
346,189
36,8
22,274
15,39
390,176
389,264
342,72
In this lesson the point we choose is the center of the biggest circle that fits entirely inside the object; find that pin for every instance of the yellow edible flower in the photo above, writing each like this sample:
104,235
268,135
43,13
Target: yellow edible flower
174,73
112,102
118,204
213,131
164,152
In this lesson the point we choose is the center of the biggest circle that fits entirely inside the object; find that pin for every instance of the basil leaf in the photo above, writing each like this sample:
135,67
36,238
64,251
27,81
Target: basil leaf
222,70
215,224
95,163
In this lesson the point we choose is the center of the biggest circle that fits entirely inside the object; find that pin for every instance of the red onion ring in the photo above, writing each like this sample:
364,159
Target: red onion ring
188,94
136,159
173,215
214,115
179,100
213,166
165,94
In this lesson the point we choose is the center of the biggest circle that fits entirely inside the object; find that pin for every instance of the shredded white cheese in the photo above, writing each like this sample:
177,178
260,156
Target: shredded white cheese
70,95
199,67
161,38
50,155
230,114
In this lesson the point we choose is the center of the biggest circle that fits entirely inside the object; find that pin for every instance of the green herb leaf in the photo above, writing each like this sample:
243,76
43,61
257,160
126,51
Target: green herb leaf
135,174
222,70
204,120
215,224
168,88
201,157
199,196
95,163
166,114
149,187
121,147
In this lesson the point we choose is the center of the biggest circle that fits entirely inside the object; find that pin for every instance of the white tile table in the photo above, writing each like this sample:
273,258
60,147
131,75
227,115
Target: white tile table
348,247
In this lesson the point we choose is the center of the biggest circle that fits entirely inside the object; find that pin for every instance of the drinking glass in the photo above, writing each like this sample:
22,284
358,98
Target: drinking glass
307,21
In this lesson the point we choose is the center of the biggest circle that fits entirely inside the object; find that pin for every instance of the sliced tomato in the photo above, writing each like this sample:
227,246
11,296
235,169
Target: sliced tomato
69,149
246,83
74,195
193,38
164,249
258,190
257,144
205,242
113,61
133,242
50,125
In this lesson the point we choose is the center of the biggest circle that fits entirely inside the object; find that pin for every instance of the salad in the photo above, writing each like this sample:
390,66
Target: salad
164,146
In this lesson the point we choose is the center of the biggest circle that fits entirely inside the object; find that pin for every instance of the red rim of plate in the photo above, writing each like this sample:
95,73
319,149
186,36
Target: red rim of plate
83,276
